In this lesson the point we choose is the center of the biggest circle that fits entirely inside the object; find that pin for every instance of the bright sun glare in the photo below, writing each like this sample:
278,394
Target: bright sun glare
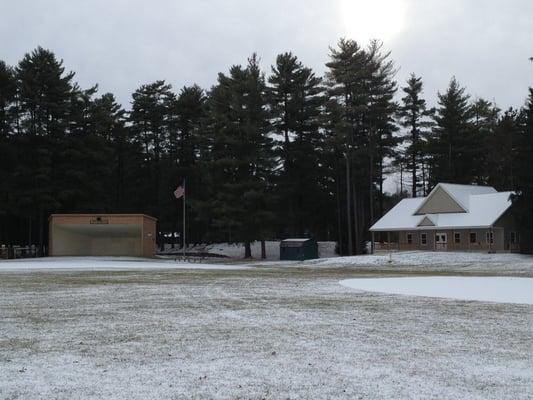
372,19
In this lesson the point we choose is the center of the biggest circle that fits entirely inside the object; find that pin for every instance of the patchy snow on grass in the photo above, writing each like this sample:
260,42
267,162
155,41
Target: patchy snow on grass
493,289
420,262
271,334
435,261
236,250
104,264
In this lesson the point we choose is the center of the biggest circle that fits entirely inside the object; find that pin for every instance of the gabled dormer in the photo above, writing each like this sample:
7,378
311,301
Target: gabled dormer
426,221
440,201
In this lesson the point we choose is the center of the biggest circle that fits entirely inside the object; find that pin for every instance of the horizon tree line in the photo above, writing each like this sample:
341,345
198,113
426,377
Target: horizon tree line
288,153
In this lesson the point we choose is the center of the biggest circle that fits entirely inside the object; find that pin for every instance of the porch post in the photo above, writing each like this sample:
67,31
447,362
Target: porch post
452,239
372,244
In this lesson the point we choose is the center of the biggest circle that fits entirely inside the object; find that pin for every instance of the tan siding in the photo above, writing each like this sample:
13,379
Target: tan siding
102,235
403,242
464,244
426,222
149,236
440,202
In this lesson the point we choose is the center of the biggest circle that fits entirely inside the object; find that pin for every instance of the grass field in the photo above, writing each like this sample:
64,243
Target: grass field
258,333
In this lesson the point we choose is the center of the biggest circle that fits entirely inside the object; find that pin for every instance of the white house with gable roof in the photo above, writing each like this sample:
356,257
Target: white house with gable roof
451,217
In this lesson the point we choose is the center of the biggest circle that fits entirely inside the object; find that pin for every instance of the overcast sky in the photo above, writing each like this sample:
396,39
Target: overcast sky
121,44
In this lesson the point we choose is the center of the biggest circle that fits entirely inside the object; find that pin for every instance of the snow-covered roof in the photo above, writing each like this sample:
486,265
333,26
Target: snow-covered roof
461,193
483,205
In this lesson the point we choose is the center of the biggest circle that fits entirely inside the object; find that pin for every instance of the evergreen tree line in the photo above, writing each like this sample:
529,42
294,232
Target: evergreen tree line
264,155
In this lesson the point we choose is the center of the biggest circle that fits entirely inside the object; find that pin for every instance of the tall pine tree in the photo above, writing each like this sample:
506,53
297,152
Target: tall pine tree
415,117
241,155
44,95
150,117
484,121
524,174
296,101
501,146
7,151
188,147
360,82
380,122
452,145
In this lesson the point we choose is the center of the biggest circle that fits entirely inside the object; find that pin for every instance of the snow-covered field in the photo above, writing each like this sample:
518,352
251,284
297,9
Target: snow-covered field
482,288
138,329
105,264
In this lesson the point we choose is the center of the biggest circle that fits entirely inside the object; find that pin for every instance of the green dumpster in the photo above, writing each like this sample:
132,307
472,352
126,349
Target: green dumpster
298,249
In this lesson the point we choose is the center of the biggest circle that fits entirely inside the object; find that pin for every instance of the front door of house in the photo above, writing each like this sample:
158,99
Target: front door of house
441,241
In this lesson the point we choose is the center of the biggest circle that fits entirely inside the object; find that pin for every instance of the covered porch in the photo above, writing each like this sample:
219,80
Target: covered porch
492,239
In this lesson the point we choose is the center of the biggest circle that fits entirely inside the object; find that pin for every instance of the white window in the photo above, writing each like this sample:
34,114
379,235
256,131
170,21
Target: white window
457,237
424,239
441,238
490,237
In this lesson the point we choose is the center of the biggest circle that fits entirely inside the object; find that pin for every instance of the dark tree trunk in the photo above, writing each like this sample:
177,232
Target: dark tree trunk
424,180
339,218
401,179
371,178
348,206
381,187
413,166
247,250
413,160
41,232
263,250
29,231
450,176
356,221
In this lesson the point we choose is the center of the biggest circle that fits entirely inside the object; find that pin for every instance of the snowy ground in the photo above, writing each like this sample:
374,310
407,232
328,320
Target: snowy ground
498,289
265,331
105,264
446,262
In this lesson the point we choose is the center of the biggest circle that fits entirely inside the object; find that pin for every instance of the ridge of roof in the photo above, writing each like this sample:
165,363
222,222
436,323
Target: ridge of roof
465,185
458,193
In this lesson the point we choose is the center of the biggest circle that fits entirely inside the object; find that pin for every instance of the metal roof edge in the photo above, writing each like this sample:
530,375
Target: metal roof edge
101,215
430,228
506,209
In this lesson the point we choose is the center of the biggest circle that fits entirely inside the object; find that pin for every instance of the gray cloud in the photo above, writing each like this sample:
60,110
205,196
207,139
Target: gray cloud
122,44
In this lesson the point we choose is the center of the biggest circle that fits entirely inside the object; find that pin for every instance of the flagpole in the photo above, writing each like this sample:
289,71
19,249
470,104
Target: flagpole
184,194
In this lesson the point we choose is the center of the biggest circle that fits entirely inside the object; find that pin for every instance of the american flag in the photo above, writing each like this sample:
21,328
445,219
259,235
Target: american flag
180,191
